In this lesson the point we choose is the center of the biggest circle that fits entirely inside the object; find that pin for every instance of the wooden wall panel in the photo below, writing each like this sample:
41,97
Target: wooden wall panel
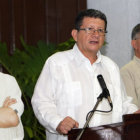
35,20
61,15
19,21
51,21
6,23
48,20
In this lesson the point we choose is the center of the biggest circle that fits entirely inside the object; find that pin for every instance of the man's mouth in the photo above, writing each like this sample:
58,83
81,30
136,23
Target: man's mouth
93,42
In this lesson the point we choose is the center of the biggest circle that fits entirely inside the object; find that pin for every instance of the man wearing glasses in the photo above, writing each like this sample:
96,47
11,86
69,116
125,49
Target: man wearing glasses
67,88
131,71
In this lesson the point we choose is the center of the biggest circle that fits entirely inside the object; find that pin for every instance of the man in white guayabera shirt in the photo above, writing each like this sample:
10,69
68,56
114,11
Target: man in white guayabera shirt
11,108
67,88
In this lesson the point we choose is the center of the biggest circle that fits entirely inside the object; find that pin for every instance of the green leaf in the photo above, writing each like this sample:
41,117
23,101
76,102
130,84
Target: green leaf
29,131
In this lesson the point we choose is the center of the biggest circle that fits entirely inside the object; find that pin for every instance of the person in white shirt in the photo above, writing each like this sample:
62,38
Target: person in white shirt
11,109
67,88
131,72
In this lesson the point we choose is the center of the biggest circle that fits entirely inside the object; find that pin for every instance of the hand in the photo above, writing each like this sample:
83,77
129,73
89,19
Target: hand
9,101
137,112
66,125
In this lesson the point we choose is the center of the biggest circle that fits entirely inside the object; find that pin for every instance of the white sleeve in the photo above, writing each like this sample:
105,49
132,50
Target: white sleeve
43,100
128,107
14,91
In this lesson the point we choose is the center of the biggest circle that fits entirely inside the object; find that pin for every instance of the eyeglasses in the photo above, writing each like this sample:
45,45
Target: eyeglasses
92,31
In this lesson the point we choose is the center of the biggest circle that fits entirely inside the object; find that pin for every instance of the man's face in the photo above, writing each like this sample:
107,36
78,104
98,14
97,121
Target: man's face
136,45
90,43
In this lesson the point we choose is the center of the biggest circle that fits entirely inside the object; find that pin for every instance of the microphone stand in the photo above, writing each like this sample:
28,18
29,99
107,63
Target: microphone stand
99,99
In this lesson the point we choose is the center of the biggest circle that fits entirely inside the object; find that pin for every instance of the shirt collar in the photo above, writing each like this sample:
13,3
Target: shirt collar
136,59
80,58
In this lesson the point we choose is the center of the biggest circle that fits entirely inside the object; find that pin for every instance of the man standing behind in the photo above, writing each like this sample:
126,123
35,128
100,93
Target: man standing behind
11,109
131,71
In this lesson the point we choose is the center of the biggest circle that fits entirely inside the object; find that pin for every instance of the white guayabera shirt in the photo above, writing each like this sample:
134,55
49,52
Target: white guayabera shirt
9,87
68,86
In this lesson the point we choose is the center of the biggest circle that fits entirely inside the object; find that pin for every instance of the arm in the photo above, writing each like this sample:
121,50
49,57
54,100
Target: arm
8,117
10,101
44,102
129,84
128,106
14,92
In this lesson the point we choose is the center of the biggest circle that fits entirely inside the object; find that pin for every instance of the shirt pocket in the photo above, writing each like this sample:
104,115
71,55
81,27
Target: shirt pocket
71,94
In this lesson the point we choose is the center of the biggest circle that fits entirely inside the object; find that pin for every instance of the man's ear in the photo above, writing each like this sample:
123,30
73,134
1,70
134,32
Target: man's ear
133,44
74,34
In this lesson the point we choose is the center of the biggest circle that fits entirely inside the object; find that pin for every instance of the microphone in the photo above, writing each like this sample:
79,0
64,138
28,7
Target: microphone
105,94
104,88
